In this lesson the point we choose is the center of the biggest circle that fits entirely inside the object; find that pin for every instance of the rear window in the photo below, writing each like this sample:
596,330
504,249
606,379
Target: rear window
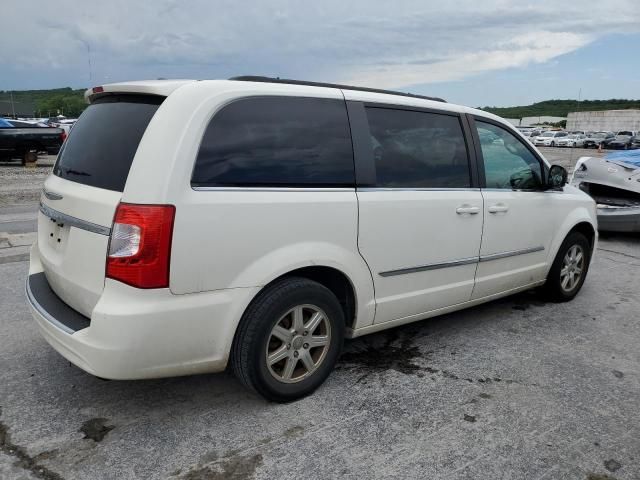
277,141
104,140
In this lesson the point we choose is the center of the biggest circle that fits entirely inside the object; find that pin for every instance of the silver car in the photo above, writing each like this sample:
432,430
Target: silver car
614,183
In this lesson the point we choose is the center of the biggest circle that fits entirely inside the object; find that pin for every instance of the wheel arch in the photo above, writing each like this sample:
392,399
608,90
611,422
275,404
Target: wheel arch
587,230
336,280
579,220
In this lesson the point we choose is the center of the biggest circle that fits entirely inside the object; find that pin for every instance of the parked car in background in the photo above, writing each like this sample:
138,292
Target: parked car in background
622,140
635,141
549,138
595,139
26,123
572,140
254,223
24,140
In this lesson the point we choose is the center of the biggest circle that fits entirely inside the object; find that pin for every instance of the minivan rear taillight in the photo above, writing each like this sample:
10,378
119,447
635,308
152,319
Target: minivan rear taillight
140,245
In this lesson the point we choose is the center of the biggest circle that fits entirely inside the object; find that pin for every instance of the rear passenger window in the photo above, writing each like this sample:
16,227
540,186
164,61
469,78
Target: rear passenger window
277,141
418,149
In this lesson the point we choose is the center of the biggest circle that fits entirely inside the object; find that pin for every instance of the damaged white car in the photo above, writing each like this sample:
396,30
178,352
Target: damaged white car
614,183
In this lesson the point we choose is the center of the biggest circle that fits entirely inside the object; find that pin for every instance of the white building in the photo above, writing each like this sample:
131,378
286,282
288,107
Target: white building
606,120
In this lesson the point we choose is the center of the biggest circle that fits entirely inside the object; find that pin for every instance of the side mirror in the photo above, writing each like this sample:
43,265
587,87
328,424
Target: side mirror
557,177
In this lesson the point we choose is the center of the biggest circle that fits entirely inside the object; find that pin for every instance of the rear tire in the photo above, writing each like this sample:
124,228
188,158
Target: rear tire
569,269
288,340
29,156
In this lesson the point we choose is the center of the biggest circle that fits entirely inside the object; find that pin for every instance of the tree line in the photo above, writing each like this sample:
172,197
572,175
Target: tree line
57,101
561,108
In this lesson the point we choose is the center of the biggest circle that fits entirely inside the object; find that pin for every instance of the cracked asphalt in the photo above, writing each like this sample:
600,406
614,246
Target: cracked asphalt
513,389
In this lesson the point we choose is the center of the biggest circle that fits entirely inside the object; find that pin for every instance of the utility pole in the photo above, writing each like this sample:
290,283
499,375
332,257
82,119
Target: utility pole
89,60
13,107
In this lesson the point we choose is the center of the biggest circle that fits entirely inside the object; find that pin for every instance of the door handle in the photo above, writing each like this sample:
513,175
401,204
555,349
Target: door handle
498,207
461,210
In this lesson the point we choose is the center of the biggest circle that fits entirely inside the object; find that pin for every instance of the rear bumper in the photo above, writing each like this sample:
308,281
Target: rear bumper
135,334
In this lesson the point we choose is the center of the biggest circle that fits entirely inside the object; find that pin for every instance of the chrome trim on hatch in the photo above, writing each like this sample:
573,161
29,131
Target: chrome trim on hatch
46,315
73,221
513,253
430,266
52,195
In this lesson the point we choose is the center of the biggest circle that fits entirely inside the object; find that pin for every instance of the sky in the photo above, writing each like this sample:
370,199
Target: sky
488,53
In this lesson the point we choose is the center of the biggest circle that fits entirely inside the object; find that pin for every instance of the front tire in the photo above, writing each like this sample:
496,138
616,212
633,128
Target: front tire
569,268
289,339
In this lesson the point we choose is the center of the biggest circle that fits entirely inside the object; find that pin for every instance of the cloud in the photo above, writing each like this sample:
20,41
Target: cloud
374,43
520,51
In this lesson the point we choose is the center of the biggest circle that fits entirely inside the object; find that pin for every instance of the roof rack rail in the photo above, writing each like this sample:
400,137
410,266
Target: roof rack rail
258,78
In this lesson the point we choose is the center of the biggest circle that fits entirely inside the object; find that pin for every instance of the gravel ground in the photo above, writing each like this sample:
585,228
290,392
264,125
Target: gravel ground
513,389
22,185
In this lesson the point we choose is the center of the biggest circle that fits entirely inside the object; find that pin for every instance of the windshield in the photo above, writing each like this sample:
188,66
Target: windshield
104,140
547,134
624,134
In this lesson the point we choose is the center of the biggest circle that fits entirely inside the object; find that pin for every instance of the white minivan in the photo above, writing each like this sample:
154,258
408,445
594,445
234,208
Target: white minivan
256,222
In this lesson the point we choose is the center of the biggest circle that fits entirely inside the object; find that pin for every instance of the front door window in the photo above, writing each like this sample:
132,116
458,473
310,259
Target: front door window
508,163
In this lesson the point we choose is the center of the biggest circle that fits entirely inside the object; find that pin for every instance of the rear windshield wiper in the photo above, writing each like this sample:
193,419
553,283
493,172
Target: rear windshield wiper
71,171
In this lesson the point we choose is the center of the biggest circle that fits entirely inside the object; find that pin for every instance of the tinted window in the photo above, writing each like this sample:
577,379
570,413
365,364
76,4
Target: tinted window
272,141
418,149
104,140
508,163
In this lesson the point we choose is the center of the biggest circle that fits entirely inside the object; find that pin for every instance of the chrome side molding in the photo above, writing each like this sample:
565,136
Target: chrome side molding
462,261
73,221
430,266
513,253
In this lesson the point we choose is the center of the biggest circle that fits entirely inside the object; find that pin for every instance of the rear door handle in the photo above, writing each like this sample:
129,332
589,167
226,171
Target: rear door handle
498,207
461,210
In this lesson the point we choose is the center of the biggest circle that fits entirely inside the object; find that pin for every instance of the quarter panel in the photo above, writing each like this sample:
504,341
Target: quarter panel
232,238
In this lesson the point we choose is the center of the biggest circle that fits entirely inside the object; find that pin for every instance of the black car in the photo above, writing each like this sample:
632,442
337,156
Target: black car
593,140
635,142
622,140
23,140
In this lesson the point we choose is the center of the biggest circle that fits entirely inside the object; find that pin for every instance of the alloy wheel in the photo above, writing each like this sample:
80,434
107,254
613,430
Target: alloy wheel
298,343
572,268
